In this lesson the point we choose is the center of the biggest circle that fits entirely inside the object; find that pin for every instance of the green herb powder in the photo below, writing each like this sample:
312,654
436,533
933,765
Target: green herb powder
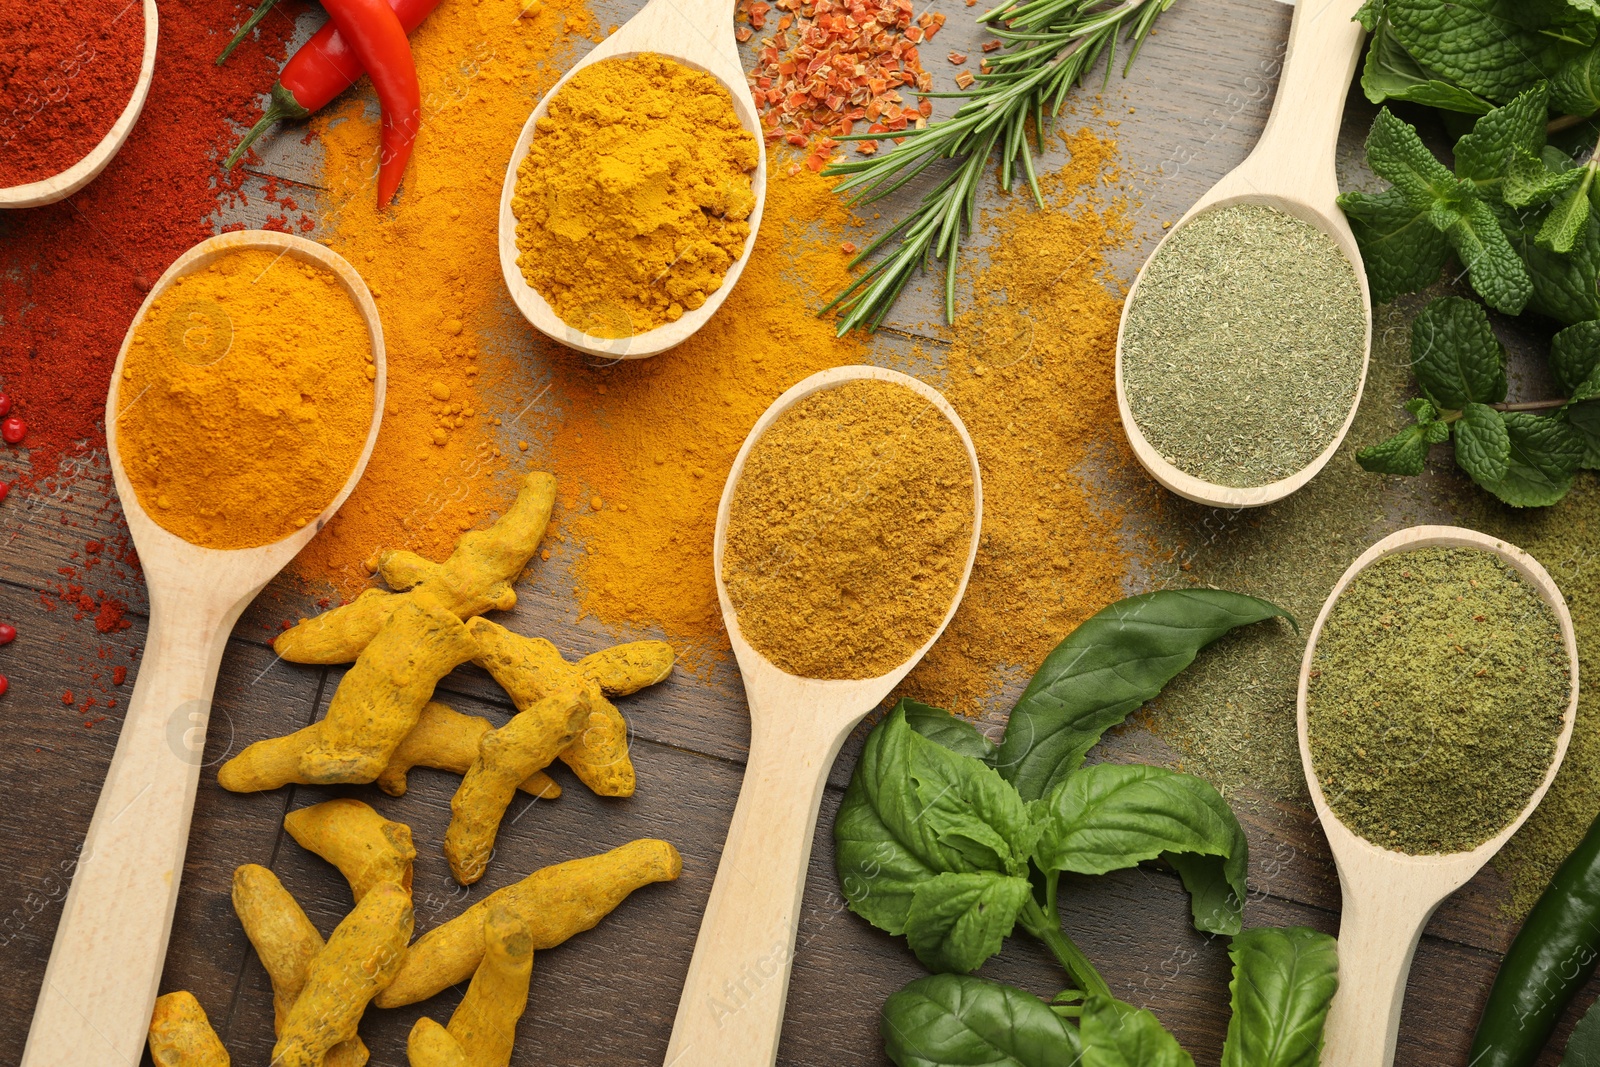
1436,695
1242,350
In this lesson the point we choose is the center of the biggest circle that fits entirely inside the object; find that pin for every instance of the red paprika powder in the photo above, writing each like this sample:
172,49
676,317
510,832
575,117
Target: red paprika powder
73,274
67,69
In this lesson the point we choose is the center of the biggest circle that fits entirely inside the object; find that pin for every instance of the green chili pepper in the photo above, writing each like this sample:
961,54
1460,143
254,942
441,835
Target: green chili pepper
1552,957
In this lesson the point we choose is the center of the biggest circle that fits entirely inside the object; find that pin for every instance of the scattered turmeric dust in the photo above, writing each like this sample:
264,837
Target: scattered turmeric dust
1032,375
654,438
432,263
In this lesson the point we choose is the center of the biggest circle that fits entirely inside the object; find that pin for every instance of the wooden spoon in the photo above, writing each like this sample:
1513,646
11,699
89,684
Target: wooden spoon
731,1012
698,34
1290,169
60,186
1389,896
100,986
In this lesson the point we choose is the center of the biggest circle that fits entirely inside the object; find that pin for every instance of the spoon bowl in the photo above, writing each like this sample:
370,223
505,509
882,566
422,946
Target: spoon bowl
62,185
111,943
1290,169
797,726
1389,896
699,35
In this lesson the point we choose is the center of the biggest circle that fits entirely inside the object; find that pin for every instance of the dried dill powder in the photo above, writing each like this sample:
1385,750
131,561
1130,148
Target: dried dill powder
1242,349
849,531
1436,694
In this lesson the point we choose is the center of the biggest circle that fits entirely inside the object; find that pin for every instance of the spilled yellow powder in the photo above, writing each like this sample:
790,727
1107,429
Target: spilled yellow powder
1032,375
431,261
646,445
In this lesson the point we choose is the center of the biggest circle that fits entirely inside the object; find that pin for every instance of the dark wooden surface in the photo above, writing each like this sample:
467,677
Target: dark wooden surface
1201,88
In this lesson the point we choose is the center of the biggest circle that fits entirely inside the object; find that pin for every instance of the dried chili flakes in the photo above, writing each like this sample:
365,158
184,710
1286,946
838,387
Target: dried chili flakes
835,63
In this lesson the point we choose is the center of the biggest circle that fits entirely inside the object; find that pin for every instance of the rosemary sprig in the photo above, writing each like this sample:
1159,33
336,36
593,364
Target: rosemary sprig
1050,45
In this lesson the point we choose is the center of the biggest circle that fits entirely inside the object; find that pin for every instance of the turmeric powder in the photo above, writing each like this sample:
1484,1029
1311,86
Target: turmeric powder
285,942
635,196
477,577
245,399
849,531
181,1035
359,961
367,848
556,903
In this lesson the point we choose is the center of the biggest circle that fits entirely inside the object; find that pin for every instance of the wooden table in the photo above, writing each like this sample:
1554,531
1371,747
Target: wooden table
1201,87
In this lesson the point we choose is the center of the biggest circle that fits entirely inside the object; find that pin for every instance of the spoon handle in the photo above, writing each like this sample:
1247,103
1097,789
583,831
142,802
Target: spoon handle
731,1012
1302,131
100,985
1378,935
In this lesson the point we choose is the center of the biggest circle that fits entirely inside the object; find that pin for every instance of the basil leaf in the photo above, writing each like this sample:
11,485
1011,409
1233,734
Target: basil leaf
1397,155
1585,422
954,1021
1574,355
1115,1034
1545,453
1488,152
1583,1047
1483,446
1283,982
1400,249
957,921
1455,355
1104,670
913,810
1111,816
951,731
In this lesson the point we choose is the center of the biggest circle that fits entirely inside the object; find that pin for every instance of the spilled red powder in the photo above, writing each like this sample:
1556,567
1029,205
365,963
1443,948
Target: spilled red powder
67,70
73,274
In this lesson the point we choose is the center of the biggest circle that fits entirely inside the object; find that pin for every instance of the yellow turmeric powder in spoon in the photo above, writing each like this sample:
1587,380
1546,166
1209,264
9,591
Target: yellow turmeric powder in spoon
245,400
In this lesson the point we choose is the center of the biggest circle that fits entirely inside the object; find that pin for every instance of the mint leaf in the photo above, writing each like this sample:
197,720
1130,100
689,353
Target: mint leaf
1456,356
1390,73
1400,249
1398,156
1567,219
1564,285
1585,422
957,921
1405,453
1545,453
1575,88
1501,136
1480,45
1529,182
1574,354
1497,273
1424,411
1483,446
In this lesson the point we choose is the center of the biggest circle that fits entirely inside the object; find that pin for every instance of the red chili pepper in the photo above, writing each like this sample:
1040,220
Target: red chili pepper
324,67
8,633
13,430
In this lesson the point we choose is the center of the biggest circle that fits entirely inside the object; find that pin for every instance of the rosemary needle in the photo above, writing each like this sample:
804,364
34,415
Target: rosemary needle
1050,45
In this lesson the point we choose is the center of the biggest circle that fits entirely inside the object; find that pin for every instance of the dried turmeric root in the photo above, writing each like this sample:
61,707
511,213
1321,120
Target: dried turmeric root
381,697
526,667
476,578
533,737
359,961
367,848
430,1045
447,740
285,942
556,903
443,739
485,1022
181,1035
